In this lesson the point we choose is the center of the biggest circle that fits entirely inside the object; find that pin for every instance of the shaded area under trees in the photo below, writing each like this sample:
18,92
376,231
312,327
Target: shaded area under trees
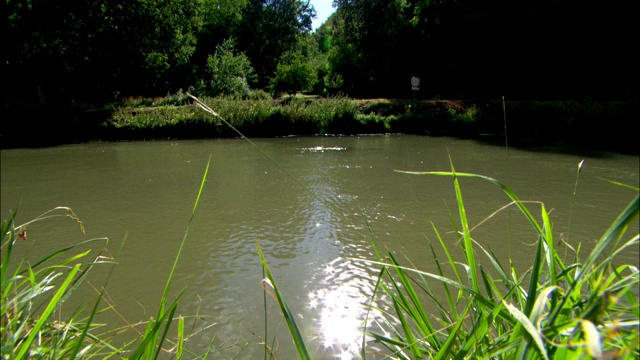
87,53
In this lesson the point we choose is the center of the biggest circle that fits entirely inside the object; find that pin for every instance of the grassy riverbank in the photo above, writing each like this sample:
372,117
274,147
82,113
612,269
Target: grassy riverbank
590,125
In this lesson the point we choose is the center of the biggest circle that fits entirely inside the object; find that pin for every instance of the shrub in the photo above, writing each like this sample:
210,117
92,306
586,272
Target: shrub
259,95
293,74
230,72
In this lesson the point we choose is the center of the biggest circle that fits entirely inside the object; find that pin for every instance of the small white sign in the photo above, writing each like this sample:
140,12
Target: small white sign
414,88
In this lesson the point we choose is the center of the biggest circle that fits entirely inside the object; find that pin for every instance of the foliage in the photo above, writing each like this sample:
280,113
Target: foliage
92,51
230,72
270,28
370,44
82,53
292,75
377,46
309,45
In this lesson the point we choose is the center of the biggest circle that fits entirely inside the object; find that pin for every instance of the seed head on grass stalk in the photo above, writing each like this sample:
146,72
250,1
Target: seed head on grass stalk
31,295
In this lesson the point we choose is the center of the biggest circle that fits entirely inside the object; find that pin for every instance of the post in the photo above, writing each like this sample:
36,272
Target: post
415,83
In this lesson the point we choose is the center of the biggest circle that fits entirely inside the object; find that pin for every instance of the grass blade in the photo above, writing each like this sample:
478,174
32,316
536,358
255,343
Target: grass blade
414,307
181,336
24,347
468,244
618,226
446,349
291,323
184,238
529,327
592,336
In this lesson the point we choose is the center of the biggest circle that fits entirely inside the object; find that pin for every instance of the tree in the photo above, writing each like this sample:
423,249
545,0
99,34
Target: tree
169,40
63,51
269,29
221,21
293,73
371,45
230,72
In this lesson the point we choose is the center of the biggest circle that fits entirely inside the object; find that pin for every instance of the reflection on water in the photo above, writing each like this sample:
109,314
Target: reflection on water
145,192
323,148
341,302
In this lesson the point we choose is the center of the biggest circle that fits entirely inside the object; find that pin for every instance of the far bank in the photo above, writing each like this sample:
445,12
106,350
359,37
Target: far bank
573,124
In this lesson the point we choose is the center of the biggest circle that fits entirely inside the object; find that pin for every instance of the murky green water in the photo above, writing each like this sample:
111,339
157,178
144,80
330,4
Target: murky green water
311,221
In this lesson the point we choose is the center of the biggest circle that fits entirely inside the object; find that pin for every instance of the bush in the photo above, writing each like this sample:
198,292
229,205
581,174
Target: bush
259,95
230,73
293,74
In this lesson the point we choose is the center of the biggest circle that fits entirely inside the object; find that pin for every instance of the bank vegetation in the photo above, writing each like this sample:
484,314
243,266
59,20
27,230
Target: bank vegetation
569,124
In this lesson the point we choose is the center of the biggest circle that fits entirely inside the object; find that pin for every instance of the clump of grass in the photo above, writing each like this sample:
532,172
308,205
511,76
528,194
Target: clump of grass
177,99
583,309
553,310
259,95
466,115
371,118
33,292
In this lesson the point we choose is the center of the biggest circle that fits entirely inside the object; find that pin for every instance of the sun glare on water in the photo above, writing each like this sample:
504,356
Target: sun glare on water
342,308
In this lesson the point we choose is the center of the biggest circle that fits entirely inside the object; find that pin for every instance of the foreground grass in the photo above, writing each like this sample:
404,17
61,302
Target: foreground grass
32,293
586,308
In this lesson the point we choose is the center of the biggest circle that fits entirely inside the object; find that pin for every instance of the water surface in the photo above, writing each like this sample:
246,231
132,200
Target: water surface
314,214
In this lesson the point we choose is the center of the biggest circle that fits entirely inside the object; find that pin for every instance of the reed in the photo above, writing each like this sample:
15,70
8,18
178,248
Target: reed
33,293
583,309
553,310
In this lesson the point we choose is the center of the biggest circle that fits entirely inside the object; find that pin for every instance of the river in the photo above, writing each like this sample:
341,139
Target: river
313,204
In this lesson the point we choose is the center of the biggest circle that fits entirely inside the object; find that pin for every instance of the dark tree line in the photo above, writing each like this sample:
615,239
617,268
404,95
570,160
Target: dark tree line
97,51
539,48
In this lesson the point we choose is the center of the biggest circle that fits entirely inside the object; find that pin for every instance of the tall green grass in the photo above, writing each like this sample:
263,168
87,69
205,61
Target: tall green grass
586,308
553,310
32,293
